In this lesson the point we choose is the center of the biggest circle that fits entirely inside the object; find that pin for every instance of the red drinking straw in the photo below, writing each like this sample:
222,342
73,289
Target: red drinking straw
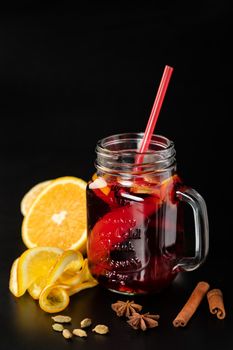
155,112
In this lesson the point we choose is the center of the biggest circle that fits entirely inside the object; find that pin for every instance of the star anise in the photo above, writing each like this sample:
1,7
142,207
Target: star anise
138,321
126,308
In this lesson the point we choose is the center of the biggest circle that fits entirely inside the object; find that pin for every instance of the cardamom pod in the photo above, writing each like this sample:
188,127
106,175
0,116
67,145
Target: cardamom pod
58,327
61,319
66,334
80,332
85,323
101,329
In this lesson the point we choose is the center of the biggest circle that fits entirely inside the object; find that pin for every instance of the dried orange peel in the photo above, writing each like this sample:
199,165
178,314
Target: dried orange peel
50,275
54,299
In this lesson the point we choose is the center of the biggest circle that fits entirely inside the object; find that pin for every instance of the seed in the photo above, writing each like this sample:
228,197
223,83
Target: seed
101,329
66,334
85,323
80,332
61,319
58,327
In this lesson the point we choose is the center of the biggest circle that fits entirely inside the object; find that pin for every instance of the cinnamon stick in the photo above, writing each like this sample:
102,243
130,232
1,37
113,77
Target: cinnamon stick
216,305
191,305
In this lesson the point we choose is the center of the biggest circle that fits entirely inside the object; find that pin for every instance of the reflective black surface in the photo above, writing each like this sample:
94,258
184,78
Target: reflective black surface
25,326
69,77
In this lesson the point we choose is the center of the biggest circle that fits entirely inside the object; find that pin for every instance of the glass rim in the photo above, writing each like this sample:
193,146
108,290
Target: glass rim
159,140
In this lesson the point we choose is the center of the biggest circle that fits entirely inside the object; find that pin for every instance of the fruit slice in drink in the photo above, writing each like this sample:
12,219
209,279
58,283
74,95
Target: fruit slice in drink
102,190
115,226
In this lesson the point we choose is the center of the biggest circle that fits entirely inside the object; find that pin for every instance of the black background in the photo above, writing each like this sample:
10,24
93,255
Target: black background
70,76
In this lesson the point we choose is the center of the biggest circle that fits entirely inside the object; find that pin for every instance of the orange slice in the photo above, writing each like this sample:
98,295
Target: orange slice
31,195
57,217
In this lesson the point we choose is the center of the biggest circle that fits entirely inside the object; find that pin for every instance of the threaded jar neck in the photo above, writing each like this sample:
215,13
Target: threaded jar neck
118,154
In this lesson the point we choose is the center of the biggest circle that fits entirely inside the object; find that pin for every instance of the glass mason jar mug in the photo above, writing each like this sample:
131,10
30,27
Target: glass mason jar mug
135,218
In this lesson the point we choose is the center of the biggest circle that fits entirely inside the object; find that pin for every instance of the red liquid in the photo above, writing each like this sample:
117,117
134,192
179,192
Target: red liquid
135,235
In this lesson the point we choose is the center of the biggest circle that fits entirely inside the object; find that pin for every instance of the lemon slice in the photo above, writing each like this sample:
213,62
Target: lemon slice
77,277
35,263
57,217
79,281
75,265
13,283
62,263
66,261
86,275
36,287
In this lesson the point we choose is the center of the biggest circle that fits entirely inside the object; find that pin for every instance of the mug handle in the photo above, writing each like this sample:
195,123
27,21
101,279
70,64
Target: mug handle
195,200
